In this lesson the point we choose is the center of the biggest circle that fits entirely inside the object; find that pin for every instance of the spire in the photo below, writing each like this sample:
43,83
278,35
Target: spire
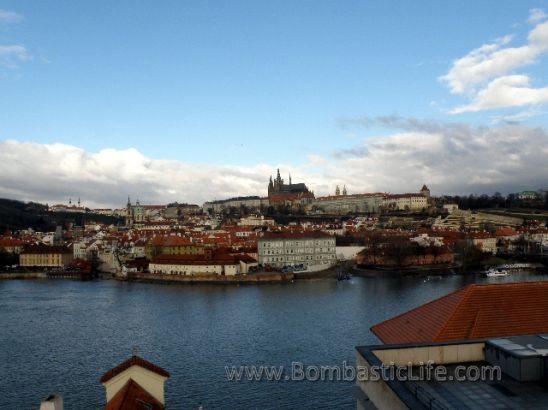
128,201
290,178
78,201
344,190
278,177
70,201
337,191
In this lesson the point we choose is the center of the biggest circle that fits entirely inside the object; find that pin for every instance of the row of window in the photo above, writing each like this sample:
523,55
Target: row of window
292,251
280,244
295,259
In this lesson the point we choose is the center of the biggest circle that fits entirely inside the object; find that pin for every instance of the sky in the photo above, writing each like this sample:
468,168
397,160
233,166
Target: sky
192,101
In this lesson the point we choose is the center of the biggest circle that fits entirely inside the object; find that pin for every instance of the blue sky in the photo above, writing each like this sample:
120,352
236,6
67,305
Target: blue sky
255,84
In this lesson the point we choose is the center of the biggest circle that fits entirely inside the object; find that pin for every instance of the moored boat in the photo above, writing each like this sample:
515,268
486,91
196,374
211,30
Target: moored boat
495,272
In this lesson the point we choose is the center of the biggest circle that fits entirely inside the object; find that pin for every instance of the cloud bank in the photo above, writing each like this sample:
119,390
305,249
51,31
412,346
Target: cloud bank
449,157
453,158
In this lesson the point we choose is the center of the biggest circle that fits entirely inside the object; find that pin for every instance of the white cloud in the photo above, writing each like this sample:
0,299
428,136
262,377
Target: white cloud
506,91
487,72
54,172
536,16
492,60
517,117
450,158
7,16
12,55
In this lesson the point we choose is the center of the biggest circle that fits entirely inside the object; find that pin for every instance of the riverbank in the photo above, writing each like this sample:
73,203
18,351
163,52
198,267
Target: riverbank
410,271
47,275
262,277
23,275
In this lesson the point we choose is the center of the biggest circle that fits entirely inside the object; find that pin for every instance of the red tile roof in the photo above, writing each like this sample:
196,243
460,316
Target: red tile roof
294,235
177,241
10,242
170,241
133,361
46,249
475,311
131,397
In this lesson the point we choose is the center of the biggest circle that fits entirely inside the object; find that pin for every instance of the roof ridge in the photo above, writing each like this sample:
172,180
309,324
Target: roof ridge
118,401
474,325
421,306
467,291
126,389
133,361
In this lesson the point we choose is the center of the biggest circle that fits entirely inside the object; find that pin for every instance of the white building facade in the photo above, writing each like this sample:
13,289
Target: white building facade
314,250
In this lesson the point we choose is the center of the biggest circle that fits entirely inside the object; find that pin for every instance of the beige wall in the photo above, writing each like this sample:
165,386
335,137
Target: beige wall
378,392
189,269
383,397
439,354
45,259
153,383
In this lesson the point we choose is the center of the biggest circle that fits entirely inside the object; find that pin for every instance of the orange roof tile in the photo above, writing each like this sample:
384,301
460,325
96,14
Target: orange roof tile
132,396
475,311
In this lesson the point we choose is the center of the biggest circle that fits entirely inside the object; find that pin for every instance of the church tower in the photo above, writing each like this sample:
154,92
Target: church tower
278,182
337,191
129,216
344,190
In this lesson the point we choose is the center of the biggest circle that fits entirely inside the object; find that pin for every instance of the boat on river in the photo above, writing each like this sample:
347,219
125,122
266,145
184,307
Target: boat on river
496,272
342,274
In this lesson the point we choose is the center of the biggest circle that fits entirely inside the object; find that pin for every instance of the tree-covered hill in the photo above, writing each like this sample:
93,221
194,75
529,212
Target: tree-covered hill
15,215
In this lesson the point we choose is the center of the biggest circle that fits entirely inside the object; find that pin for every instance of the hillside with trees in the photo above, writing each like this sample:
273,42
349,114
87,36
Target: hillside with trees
16,215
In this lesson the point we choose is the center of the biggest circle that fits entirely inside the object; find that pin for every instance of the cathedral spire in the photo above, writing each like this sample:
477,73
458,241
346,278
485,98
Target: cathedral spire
270,185
290,178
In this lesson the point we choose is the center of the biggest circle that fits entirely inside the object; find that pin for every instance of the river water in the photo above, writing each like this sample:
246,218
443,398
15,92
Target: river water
60,336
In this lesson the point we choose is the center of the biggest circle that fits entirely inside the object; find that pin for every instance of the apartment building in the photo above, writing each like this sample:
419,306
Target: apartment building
315,250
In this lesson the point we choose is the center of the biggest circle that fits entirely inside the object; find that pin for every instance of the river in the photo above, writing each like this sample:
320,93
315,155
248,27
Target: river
60,336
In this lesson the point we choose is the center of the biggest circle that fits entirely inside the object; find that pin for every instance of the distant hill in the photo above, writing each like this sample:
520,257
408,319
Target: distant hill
15,215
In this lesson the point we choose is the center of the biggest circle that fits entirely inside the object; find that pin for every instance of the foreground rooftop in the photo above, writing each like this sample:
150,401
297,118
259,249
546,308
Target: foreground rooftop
519,383
475,311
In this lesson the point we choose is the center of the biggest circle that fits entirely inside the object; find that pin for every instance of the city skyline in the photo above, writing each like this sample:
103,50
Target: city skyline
201,101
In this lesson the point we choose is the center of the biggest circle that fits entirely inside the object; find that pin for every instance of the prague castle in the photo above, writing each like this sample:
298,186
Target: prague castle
288,194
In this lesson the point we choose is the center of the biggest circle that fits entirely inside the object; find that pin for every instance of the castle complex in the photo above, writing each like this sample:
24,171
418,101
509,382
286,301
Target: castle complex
288,194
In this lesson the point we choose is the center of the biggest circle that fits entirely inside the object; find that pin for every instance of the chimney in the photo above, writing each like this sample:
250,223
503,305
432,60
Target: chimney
52,402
